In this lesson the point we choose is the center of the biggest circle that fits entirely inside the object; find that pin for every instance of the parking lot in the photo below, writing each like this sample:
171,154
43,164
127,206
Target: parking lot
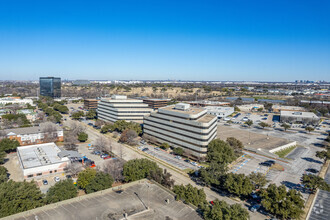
169,158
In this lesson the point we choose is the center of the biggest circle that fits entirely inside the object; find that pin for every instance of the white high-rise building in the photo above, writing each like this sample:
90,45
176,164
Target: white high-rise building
118,107
183,126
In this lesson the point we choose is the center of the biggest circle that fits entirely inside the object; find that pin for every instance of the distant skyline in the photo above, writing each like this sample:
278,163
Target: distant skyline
254,40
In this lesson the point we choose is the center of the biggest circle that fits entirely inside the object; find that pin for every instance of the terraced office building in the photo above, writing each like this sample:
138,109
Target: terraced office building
183,126
118,107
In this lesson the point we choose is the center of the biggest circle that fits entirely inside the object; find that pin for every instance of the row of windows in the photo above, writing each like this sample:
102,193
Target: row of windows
40,174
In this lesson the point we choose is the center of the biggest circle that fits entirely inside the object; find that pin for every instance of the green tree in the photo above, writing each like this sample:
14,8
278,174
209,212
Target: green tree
8,145
220,152
236,144
221,210
190,194
85,177
238,184
282,203
249,123
19,197
165,146
263,124
3,174
236,109
101,181
178,151
65,189
285,126
91,114
313,182
2,156
260,109
309,129
82,137
213,173
258,180
138,169
77,115
323,155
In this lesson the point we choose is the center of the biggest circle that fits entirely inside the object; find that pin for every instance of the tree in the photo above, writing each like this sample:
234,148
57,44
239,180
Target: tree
313,182
101,181
281,203
114,168
238,184
323,155
77,115
77,128
138,169
260,109
213,174
19,197
162,177
249,123
149,139
101,144
221,210
309,129
3,174
190,194
8,145
82,137
91,114
285,126
70,140
220,152
236,109
236,144
65,189
50,131
258,180
165,146
268,106
85,177
128,136
263,124
2,156
178,151
73,168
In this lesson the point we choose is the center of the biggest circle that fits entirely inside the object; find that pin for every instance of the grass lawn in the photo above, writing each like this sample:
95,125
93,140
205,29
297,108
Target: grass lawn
283,153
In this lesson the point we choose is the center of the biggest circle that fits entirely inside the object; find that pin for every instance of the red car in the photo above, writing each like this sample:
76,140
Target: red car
107,157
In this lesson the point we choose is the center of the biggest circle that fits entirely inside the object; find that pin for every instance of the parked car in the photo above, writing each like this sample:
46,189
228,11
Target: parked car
140,147
90,148
57,179
45,182
145,149
178,157
107,157
272,162
96,152
255,208
104,155
157,148
188,161
265,164
193,163
91,124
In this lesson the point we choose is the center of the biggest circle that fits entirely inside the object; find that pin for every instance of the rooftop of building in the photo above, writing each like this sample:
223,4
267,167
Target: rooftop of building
186,109
151,99
207,102
298,114
206,118
39,155
27,130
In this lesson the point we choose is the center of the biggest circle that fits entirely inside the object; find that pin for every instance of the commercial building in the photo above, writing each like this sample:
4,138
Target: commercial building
156,103
90,104
50,86
119,107
204,103
15,100
29,113
34,135
40,160
81,82
279,108
299,117
220,112
183,126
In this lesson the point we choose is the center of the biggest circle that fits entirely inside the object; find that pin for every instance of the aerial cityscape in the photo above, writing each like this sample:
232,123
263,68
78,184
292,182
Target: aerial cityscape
138,110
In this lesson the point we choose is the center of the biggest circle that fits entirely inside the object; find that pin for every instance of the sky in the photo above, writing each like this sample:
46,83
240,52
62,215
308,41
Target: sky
246,40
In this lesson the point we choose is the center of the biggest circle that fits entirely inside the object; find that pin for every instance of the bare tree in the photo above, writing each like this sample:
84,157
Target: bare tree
101,144
99,123
3,134
50,131
6,123
74,168
19,122
77,128
114,168
70,140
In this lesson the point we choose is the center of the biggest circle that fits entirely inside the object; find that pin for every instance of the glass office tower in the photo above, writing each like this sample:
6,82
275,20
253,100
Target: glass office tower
50,86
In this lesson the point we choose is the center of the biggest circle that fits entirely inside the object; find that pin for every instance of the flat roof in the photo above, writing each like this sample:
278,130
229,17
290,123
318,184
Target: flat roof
28,130
298,114
39,155
189,111
206,118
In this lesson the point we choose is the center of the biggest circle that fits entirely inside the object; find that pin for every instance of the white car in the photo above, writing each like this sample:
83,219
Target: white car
57,179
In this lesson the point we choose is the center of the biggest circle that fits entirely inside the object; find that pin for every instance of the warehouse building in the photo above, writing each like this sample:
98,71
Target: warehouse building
220,112
41,160
119,107
183,126
299,117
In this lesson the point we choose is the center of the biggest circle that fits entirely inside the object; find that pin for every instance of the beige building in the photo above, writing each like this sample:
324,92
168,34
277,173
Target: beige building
119,107
183,126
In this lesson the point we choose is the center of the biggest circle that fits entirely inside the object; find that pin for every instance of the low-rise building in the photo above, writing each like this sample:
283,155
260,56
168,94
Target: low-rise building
279,108
156,103
41,160
299,117
119,107
34,135
15,100
29,113
183,126
204,103
220,112
90,104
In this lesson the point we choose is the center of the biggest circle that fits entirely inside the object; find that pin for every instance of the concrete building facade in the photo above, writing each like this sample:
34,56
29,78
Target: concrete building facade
220,112
156,103
41,160
183,126
299,117
90,104
118,107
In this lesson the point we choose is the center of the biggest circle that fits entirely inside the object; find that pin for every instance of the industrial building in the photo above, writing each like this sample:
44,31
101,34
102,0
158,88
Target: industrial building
41,160
119,107
220,112
183,126
90,104
156,103
50,86
204,103
299,117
